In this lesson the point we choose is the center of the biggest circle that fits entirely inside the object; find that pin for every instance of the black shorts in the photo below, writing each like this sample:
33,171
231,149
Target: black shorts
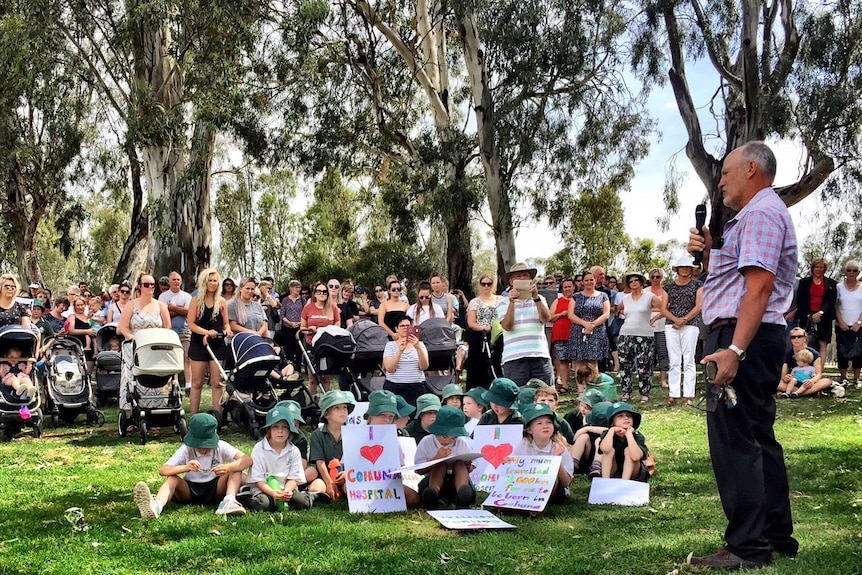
197,351
203,493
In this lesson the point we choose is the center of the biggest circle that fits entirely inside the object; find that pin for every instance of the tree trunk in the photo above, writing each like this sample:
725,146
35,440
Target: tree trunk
196,212
24,211
133,258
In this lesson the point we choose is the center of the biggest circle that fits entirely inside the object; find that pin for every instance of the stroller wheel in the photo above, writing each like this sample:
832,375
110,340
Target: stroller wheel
182,428
122,423
55,420
37,428
142,426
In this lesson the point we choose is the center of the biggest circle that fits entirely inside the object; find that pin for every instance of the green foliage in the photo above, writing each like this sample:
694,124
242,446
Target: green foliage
234,209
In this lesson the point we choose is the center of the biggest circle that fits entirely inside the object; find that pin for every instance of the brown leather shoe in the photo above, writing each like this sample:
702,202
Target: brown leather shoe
724,559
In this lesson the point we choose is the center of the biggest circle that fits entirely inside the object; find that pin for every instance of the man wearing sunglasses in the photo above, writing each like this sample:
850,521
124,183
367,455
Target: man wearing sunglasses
748,289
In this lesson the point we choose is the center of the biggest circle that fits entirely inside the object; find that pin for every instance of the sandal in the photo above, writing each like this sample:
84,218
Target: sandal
562,389
625,397
645,399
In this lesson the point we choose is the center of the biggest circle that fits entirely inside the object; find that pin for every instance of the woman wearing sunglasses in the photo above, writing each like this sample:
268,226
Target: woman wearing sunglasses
481,313
321,311
12,312
392,309
115,308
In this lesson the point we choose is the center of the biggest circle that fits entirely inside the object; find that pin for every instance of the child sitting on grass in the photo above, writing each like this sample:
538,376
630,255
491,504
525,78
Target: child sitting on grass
277,471
803,371
448,481
548,395
326,446
15,371
503,398
427,406
585,447
541,437
586,401
623,448
453,395
473,404
383,410
402,416
211,469
300,439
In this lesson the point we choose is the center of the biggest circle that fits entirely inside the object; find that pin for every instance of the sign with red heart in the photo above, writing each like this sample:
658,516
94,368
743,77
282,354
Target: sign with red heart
371,452
496,454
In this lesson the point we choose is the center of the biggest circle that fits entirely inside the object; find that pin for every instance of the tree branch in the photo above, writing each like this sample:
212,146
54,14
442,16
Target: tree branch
796,192
717,56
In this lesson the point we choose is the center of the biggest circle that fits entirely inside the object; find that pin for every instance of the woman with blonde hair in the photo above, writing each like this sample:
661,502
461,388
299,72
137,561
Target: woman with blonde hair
12,312
244,312
209,324
481,313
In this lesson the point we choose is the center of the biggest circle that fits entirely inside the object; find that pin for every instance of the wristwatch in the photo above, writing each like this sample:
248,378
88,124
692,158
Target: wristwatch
740,353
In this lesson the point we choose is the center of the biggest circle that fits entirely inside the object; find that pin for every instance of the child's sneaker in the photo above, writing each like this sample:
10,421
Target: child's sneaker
147,504
230,507
430,498
794,395
784,395
595,469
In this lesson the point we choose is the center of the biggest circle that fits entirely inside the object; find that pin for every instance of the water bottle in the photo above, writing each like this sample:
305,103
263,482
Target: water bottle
335,467
274,483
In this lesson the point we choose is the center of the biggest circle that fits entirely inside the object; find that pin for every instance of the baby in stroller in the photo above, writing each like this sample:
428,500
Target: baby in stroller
15,372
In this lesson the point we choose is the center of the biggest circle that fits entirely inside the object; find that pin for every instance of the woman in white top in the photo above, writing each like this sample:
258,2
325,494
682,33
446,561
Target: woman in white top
404,363
636,337
424,308
661,360
848,321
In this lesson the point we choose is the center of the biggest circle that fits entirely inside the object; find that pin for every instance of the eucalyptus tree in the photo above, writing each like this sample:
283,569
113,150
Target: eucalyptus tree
782,69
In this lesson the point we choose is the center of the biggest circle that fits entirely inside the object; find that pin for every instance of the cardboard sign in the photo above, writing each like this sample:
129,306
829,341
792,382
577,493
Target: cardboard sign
422,468
526,482
496,443
409,478
371,460
469,519
357,416
618,492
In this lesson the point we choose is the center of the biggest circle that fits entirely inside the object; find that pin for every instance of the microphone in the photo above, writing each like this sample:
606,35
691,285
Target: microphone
699,222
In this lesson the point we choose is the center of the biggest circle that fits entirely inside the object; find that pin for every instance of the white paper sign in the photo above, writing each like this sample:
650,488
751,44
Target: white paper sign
357,416
526,482
371,460
469,519
422,468
619,492
496,443
410,479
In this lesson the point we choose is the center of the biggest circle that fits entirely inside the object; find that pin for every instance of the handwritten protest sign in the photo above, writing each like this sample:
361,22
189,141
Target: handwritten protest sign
357,416
371,461
618,492
496,443
526,482
469,519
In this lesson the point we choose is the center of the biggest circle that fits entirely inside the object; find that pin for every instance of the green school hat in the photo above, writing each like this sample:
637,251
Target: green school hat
294,407
599,415
450,421
452,390
536,410
381,401
476,394
503,392
404,408
591,397
203,432
427,402
621,406
277,414
336,397
535,383
526,396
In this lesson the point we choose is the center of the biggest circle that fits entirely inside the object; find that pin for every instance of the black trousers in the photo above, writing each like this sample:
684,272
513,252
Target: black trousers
477,363
747,460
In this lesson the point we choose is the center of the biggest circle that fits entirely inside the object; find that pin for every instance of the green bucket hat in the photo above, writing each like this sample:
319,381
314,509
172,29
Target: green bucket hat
336,397
203,431
476,394
277,414
535,383
427,402
503,392
382,401
599,415
526,396
536,410
452,390
592,397
294,407
404,408
450,421
620,407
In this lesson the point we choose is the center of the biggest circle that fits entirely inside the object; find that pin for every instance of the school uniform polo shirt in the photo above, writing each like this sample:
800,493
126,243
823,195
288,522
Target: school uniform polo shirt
324,447
490,418
530,448
285,465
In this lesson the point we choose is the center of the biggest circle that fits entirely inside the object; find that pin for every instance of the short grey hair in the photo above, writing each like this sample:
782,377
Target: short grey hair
762,155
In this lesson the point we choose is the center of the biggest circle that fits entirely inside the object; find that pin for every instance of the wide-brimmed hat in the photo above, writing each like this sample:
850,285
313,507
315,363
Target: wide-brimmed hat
526,396
277,414
427,402
37,303
452,390
404,408
639,275
592,397
381,401
203,432
336,397
450,421
294,408
535,383
684,261
520,267
476,394
620,407
503,392
536,410
599,415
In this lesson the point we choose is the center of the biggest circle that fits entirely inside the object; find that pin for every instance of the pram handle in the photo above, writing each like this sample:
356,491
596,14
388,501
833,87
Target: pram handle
222,372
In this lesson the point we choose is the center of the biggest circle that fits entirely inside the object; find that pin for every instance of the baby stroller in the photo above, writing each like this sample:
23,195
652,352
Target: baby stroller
108,364
17,412
250,393
438,335
68,383
332,350
367,362
153,390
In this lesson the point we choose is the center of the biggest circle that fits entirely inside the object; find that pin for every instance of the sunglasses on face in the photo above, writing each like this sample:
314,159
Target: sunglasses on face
378,290
320,292
486,284
796,336
125,291
148,284
395,289
424,297
334,286
655,277
852,271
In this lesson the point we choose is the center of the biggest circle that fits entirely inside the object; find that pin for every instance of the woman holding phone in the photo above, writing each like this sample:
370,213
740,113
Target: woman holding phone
405,361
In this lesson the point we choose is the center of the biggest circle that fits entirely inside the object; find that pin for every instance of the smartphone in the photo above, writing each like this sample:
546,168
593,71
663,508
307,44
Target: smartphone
413,330
523,287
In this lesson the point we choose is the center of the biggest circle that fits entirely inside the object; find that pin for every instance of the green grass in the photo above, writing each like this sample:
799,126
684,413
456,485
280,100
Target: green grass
95,470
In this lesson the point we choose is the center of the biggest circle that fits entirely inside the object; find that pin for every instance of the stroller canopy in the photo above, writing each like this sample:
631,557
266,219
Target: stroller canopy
250,349
157,351
438,335
104,335
370,338
17,336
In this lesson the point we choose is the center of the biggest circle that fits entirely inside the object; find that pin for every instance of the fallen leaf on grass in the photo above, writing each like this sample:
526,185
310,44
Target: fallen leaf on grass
214,532
444,558
95,544
126,529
